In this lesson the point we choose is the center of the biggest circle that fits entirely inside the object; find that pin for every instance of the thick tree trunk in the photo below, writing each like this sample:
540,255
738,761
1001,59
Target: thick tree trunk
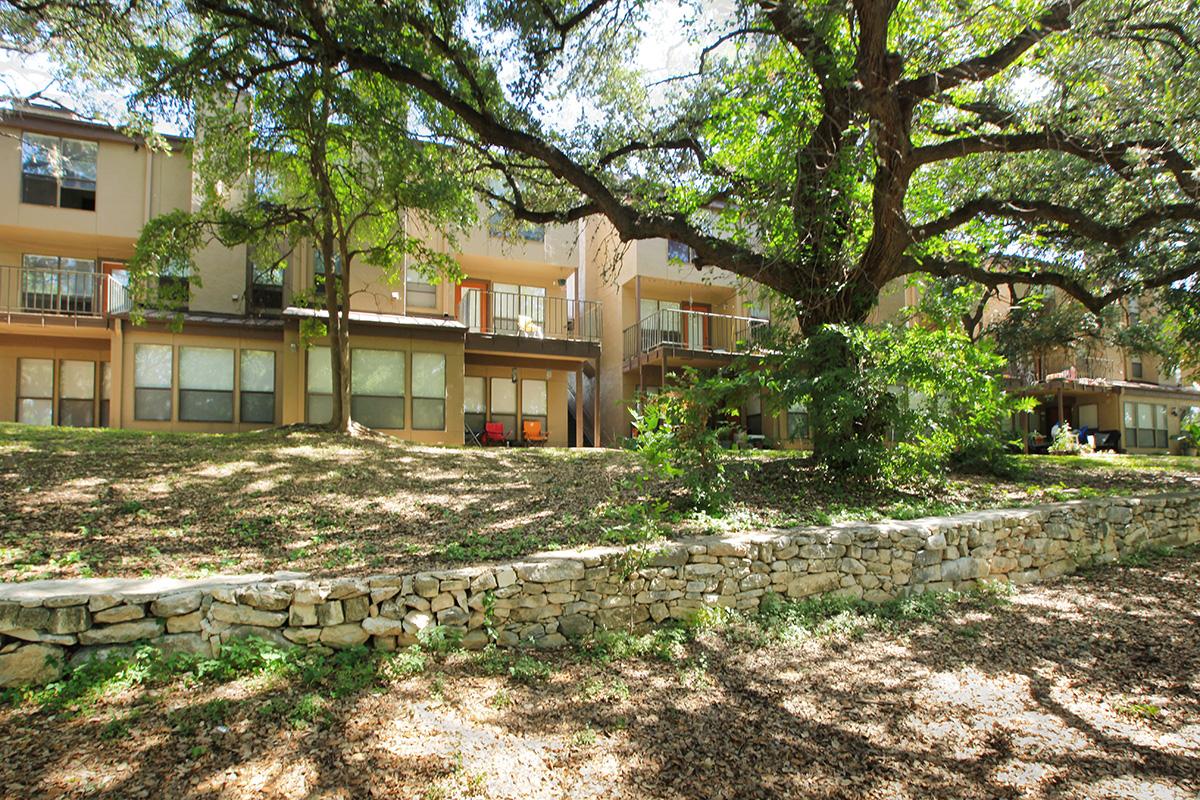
338,333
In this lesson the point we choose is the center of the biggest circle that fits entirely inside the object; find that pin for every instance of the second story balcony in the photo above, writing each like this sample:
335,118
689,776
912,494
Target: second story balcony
684,333
1030,371
527,322
60,296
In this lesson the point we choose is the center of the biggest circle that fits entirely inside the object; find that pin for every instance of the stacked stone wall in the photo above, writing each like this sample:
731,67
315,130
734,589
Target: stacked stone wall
546,600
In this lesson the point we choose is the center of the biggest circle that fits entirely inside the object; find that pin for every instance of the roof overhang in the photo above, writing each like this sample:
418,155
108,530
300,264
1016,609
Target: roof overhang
450,328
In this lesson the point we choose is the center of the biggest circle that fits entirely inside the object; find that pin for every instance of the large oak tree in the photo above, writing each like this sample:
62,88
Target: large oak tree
840,144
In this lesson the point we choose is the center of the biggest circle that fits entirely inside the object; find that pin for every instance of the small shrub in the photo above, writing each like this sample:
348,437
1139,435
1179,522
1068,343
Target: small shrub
440,639
409,661
308,710
529,670
679,431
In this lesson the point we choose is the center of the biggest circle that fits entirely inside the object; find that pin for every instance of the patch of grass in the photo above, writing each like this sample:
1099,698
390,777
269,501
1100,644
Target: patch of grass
529,670
584,738
340,674
1139,710
665,644
1146,555
229,497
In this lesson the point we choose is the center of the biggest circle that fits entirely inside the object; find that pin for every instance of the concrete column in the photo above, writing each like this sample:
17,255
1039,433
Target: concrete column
579,402
596,410
116,357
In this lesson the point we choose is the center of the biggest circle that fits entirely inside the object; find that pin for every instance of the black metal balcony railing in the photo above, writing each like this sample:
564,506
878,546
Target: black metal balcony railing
700,331
1030,371
533,316
61,292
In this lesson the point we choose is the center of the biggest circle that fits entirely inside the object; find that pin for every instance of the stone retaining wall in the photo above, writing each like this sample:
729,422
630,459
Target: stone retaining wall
547,599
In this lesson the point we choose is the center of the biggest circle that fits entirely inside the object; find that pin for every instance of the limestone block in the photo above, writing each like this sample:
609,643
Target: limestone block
119,614
330,613
122,632
31,665
348,634
71,619
173,605
184,623
246,615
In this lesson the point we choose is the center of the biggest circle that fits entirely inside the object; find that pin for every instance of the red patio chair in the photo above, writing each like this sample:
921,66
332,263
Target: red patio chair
493,433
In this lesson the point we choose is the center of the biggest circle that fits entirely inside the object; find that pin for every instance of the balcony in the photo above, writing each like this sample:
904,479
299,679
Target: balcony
503,321
68,296
695,334
1027,372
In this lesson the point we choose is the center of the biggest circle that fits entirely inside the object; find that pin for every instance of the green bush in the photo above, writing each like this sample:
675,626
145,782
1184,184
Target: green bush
679,431
898,404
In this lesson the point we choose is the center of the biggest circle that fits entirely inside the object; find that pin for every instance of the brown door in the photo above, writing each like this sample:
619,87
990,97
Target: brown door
475,313
696,326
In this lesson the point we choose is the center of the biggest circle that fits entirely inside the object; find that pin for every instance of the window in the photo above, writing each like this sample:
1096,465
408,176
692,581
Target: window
420,292
797,421
105,393
504,404
377,387
152,368
1135,368
518,309
63,285
679,252
58,172
319,385
754,418
266,280
175,284
532,232
205,384
499,225
533,402
77,393
319,269
429,391
474,403
256,386
1146,425
35,391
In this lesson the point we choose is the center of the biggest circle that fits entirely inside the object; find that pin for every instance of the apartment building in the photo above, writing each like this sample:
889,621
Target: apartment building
661,314
1101,387
430,362
559,326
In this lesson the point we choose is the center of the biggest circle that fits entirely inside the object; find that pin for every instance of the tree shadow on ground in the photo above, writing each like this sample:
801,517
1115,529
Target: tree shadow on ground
1003,700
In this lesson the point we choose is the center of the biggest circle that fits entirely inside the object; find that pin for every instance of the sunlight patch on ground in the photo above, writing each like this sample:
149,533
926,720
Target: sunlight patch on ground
1133,786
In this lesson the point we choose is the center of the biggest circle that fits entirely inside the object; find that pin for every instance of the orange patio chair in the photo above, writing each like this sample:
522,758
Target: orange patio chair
493,433
531,431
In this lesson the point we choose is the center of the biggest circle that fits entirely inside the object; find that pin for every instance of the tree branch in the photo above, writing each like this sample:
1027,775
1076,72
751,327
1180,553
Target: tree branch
1073,219
1056,18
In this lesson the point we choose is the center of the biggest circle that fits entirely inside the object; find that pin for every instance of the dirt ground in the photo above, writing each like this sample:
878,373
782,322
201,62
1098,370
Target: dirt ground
1088,687
89,503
